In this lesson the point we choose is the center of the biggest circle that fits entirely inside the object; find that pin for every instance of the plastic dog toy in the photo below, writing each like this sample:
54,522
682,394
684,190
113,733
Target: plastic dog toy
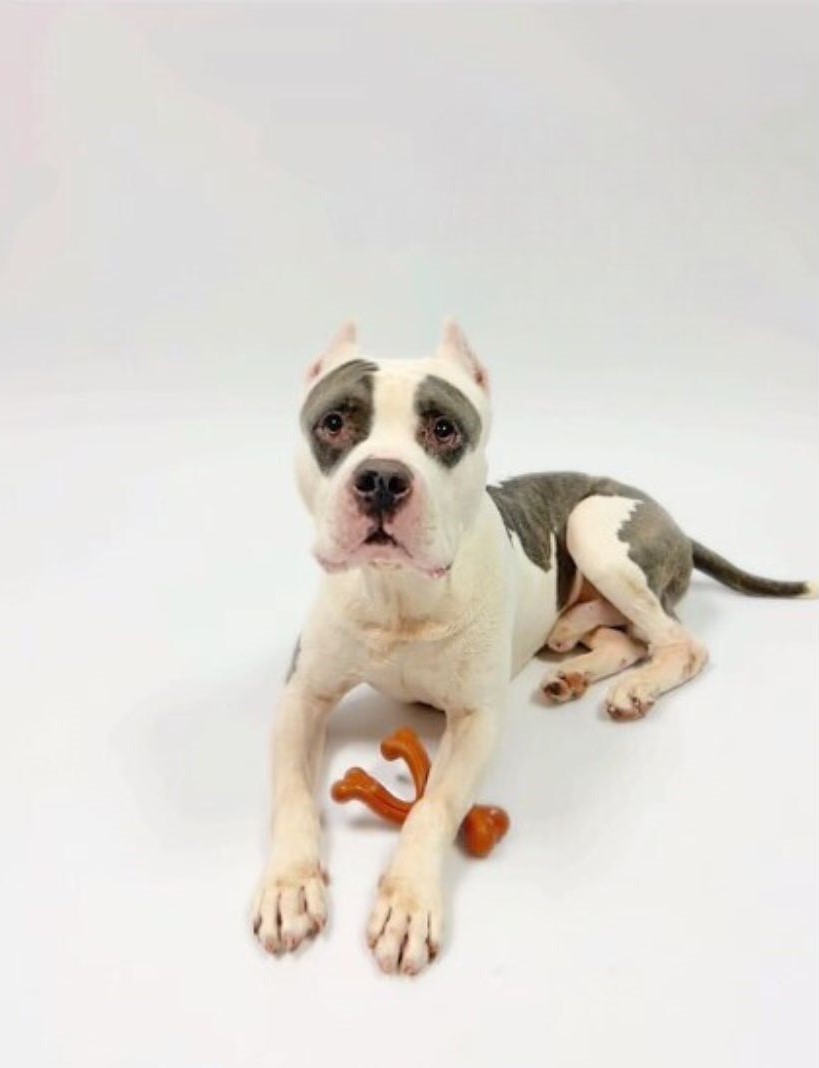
483,826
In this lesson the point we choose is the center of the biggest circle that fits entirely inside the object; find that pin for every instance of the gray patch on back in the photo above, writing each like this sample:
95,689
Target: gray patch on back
349,390
436,397
537,507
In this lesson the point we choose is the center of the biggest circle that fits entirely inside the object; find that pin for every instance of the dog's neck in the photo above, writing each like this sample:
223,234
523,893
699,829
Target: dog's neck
405,603
402,594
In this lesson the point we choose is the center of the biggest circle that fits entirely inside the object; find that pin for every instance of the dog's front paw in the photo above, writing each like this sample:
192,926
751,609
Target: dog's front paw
291,907
405,926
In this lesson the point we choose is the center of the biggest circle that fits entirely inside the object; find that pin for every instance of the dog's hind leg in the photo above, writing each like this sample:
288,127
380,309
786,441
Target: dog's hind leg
580,620
610,651
670,666
633,553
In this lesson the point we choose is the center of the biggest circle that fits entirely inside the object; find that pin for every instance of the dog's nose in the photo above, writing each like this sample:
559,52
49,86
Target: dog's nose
381,487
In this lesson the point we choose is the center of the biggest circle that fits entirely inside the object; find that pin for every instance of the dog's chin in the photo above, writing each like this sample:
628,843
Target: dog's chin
381,551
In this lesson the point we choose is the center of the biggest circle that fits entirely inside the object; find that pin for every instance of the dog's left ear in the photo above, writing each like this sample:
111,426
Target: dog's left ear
454,346
342,348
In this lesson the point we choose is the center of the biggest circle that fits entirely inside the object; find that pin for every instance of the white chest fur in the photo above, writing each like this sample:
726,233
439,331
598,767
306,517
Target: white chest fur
419,640
535,603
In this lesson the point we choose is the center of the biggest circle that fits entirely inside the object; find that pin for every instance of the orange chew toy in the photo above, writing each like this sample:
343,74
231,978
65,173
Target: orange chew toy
483,826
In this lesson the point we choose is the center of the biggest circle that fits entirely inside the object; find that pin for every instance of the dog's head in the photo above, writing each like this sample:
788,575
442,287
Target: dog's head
392,465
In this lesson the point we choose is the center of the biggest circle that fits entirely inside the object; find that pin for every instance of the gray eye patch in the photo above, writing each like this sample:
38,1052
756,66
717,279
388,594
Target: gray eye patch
347,390
436,398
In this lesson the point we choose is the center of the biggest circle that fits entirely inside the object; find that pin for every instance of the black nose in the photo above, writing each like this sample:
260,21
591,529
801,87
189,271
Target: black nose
381,486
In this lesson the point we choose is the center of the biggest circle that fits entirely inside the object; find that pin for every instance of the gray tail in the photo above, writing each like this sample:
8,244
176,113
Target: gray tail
725,572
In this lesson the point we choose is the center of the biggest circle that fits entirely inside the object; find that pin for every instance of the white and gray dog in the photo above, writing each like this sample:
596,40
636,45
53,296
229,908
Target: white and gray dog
438,589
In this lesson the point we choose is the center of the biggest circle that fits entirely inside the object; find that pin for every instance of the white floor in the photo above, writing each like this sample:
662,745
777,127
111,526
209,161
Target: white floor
639,282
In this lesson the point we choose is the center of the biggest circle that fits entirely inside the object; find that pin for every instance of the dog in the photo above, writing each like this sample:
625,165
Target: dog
438,589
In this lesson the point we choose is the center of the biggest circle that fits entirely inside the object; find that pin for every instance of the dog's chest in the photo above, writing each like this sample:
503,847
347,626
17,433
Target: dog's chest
440,670
408,670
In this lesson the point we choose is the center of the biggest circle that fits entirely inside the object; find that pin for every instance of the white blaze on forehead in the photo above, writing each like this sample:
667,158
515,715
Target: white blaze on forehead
395,389
394,415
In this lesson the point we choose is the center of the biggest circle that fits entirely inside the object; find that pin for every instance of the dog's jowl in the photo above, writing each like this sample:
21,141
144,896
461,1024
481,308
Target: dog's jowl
438,588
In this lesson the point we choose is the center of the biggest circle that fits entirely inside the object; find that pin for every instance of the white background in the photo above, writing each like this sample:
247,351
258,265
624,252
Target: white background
621,206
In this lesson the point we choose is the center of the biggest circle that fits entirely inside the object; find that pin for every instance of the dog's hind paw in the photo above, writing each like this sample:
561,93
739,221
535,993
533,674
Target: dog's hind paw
629,701
290,908
560,686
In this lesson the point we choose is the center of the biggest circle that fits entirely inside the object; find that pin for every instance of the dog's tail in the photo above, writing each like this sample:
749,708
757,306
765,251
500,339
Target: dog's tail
725,572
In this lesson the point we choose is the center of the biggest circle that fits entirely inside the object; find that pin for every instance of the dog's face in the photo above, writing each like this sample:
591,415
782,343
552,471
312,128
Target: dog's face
392,465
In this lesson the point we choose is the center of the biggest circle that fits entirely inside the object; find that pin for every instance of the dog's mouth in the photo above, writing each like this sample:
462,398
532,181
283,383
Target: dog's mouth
379,536
388,551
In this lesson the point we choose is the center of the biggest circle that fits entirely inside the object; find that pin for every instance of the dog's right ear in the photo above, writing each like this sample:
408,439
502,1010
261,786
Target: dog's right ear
454,346
342,348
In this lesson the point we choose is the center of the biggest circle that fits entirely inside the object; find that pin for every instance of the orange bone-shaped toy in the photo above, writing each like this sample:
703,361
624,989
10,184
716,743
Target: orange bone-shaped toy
483,825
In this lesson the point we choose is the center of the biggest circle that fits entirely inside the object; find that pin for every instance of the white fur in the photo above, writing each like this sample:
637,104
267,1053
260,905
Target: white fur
414,638
535,601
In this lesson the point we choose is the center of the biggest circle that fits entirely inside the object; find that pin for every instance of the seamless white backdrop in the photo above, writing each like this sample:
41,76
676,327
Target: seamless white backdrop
620,204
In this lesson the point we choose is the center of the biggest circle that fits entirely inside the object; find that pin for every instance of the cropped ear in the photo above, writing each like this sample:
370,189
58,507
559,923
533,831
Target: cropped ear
342,348
454,346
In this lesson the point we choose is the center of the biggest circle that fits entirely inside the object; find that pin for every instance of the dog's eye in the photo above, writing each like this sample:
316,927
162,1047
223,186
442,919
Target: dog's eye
444,429
331,424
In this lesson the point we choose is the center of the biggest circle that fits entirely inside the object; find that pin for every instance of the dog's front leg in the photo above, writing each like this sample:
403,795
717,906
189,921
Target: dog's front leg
291,905
406,924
